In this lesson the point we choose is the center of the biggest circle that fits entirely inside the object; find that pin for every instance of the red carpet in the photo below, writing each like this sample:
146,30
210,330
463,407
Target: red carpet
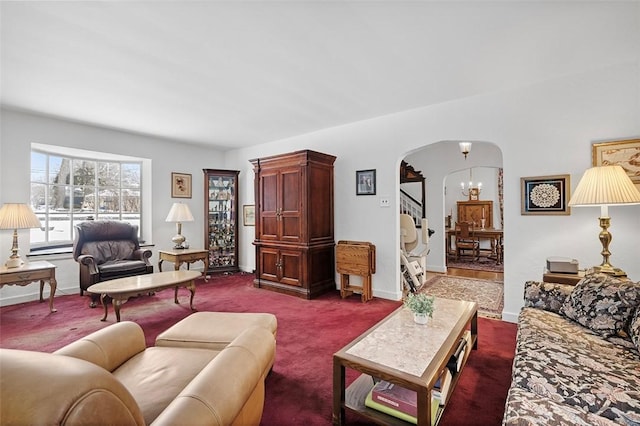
299,389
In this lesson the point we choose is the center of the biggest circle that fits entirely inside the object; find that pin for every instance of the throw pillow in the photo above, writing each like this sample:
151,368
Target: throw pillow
634,328
602,303
546,296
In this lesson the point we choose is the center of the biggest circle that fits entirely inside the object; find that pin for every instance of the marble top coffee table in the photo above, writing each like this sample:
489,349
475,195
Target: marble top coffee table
121,289
404,353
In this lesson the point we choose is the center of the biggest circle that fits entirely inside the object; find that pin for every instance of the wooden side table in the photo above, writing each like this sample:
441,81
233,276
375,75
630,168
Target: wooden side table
188,256
356,258
29,272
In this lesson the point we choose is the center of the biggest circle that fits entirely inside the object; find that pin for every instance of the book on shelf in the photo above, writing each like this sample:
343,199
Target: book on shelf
436,409
396,397
442,386
455,362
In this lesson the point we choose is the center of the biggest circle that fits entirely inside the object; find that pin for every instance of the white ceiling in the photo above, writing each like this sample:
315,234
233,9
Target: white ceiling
233,74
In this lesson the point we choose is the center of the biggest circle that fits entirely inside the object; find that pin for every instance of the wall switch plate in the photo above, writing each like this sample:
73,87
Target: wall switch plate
385,202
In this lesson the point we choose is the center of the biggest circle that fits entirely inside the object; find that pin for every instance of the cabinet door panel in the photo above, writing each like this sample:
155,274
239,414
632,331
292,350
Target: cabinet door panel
291,271
268,205
268,259
291,204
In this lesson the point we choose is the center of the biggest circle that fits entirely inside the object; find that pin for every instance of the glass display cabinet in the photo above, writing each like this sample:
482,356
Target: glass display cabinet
221,214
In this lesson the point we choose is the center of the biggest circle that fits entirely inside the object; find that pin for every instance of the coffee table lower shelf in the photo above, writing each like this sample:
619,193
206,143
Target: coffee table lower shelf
357,392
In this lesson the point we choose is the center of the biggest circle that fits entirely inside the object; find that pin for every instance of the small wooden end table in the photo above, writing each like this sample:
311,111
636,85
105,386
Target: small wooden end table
29,272
188,256
121,289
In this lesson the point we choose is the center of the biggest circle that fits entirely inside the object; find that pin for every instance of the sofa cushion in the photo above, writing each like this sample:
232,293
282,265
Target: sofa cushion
153,379
525,408
634,328
564,362
103,251
602,303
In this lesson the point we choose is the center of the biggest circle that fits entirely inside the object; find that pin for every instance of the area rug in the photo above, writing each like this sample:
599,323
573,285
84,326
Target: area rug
489,295
482,264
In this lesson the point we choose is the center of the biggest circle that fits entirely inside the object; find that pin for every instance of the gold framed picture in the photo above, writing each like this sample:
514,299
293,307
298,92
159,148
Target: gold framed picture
624,153
249,215
180,185
545,195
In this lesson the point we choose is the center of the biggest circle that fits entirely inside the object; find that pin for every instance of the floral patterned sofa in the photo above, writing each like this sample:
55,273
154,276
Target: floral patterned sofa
577,359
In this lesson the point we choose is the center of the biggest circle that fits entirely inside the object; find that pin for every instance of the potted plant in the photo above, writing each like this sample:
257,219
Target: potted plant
421,305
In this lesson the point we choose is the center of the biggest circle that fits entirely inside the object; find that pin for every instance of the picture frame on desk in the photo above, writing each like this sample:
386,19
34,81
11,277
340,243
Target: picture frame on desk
545,195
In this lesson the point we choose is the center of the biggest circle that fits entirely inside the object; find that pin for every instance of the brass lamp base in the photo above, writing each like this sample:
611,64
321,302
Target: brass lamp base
605,238
610,270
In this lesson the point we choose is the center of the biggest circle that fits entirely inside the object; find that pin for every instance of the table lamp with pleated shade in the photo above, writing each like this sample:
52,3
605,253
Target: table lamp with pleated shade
17,216
605,186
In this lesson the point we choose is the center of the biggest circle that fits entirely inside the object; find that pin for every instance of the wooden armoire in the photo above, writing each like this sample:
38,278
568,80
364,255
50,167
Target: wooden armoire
294,223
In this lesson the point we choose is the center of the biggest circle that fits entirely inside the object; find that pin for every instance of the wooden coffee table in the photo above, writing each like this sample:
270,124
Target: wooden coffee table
404,353
121,289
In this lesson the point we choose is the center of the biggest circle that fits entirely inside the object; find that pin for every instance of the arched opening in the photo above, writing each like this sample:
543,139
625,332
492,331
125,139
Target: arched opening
444,167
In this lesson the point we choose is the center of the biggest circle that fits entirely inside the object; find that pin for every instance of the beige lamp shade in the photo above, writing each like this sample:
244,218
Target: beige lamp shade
17,216
605,185
179,213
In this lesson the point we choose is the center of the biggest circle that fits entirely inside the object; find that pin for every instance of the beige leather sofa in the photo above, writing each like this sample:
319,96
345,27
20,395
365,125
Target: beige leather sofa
110,377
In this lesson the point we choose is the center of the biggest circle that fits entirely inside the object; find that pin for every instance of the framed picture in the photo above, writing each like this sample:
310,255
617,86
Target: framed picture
545,195
625,153
366,182
474,194
180,185
249,215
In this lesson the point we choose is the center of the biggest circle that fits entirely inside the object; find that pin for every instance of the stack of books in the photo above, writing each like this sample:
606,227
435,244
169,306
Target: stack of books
400,402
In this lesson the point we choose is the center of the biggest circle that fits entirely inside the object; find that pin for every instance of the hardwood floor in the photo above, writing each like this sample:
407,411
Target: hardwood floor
469,273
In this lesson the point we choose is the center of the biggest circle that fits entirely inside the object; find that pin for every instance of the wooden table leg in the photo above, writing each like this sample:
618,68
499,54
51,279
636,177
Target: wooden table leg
103,300
192,289
339,393
53,284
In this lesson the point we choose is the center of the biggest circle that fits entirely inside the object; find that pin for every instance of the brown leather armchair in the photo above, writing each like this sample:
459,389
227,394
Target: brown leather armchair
107,249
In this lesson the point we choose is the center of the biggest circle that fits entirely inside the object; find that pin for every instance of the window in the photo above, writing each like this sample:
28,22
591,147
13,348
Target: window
70,189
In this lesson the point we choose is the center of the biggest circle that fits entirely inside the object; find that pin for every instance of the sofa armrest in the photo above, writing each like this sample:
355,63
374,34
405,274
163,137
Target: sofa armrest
42,388
546,296
90,262
109,347
142,254
238,394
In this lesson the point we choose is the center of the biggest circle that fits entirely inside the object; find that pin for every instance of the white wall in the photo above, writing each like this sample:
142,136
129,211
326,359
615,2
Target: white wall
19,130
546,128
542,129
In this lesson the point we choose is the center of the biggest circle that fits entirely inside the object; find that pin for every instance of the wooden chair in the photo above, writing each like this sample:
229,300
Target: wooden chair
465,241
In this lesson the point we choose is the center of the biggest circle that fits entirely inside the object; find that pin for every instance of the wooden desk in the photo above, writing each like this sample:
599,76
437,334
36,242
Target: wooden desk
188,256
29,272
491,234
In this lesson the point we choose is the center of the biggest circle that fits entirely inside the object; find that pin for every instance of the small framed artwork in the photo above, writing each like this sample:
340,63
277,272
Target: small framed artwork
624,153
474,194
249,215
545,195
180,185
366,182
